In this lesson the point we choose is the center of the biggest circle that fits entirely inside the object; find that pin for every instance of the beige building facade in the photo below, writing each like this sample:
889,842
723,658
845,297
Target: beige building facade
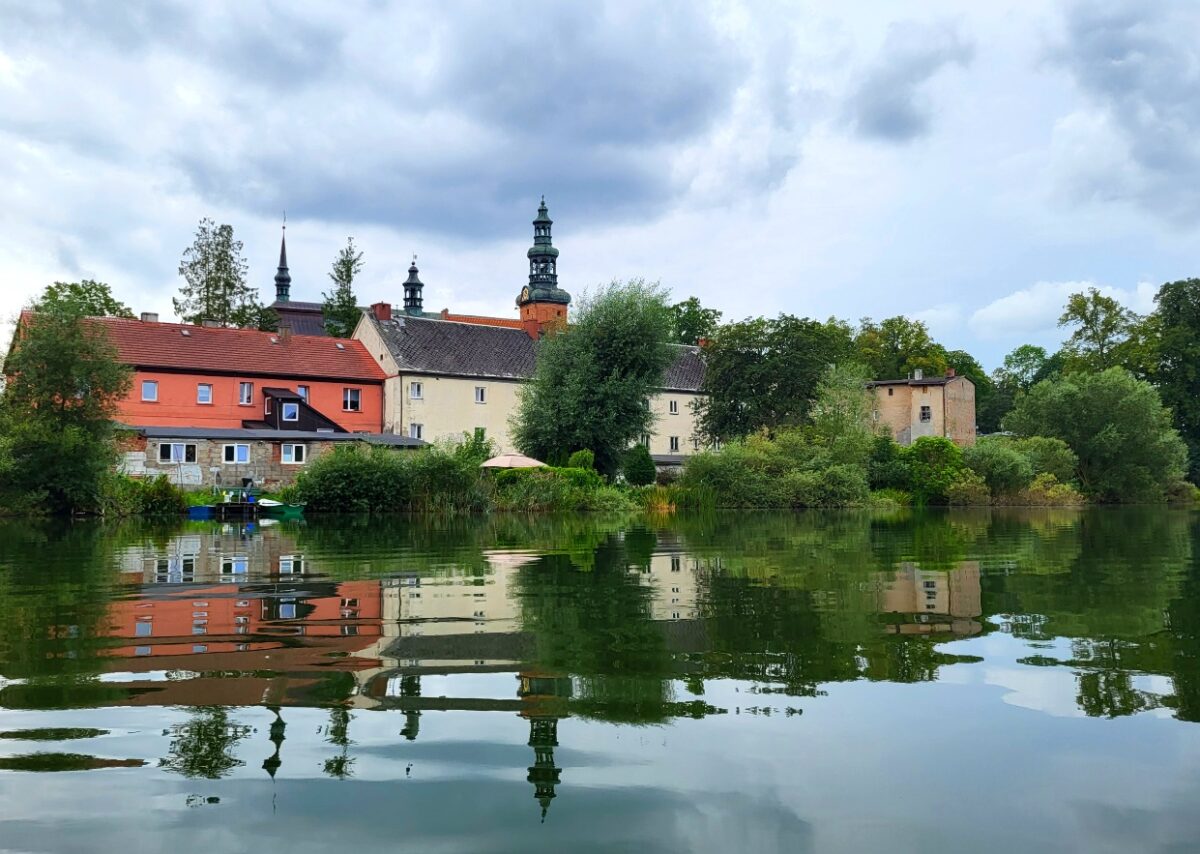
919,406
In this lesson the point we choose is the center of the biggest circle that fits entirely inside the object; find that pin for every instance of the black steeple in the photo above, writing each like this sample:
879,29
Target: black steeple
412,292
543,264
544,774
283,279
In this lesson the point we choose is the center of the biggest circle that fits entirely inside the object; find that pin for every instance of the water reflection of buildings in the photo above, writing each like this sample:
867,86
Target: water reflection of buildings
239,618
935,602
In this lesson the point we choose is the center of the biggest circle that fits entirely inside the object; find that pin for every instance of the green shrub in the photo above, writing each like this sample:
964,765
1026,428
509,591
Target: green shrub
801,488
934,463
890,499
355,478
161,498
582,460
1049,456
583,478
843,486
1046,491
886,468
639,469
968,490
1002,467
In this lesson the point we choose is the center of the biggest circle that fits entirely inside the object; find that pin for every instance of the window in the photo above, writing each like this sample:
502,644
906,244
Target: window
302,390
290,411
291,565
716,445
150,391
676,564
674,444
480,434
891,391
235,565
480,394
176,452
267,405
875,415
293,454
416,431
237,454
645,440
926,413
245,394
416,391
287,609
930,584
673,407
352,400
204,393
143,628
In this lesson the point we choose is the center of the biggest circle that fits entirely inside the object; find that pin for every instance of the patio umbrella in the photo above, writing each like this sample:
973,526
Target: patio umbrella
512,461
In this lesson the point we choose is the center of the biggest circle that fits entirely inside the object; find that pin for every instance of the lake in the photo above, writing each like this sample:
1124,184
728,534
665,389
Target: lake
990,681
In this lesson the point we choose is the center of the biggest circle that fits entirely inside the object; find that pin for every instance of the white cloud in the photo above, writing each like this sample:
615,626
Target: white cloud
1035,310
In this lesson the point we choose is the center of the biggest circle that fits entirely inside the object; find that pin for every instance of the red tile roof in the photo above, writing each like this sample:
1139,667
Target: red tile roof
480,320
176,346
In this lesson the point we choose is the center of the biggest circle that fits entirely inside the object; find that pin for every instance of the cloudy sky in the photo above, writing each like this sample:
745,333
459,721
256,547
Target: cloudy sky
969,164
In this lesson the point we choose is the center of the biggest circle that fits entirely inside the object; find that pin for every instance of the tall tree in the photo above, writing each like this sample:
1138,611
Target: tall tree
341,307
1115,423
1018,373
897,346
594,377
1100,325
1178,372
87,298
764,373
215,287
692,322
63,385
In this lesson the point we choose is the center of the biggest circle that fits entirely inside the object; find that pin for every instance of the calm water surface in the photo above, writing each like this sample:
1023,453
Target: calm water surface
1017,681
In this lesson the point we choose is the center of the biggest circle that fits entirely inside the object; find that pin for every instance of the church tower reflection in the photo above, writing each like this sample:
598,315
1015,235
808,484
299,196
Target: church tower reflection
544,698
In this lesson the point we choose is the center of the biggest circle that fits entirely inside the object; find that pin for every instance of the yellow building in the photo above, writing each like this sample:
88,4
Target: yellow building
921,406
450,374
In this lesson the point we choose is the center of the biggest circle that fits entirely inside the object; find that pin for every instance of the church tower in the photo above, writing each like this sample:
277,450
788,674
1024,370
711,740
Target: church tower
283,279
413,286
542,301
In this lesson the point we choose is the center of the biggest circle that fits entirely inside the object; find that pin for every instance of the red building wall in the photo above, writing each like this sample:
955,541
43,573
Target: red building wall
177,404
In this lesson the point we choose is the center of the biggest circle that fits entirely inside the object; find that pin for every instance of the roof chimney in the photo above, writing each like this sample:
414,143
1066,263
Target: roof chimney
950,372
285,330
702,342
919,374
382,310
210,324
149,317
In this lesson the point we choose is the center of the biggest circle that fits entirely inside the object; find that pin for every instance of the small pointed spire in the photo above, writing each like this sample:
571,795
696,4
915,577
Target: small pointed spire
283,279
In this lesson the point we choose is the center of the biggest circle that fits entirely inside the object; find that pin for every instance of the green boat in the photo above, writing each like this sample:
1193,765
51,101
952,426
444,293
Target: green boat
269,508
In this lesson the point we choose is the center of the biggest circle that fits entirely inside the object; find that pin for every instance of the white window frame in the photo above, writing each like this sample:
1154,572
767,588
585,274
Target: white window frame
416,391
673,407
289,449
245,399
481,394
284,408
151,385
200,388
674,444
304,391
351,396
171,453
416,431
225,449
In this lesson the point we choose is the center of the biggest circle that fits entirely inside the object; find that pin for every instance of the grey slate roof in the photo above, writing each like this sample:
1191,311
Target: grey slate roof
450,348
305,318
232,433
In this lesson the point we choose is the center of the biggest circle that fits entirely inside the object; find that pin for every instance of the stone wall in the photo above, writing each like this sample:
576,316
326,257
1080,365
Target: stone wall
266,467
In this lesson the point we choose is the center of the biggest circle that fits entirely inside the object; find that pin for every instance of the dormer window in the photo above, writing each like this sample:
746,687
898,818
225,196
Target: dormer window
290,411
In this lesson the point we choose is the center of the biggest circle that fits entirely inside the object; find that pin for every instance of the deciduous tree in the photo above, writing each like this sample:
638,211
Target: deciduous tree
594,378
1116,424
87,298
692,322
764,373
1178,371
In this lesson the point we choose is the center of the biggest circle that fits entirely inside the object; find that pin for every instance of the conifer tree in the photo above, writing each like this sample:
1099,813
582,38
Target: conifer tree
341,307
215,287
